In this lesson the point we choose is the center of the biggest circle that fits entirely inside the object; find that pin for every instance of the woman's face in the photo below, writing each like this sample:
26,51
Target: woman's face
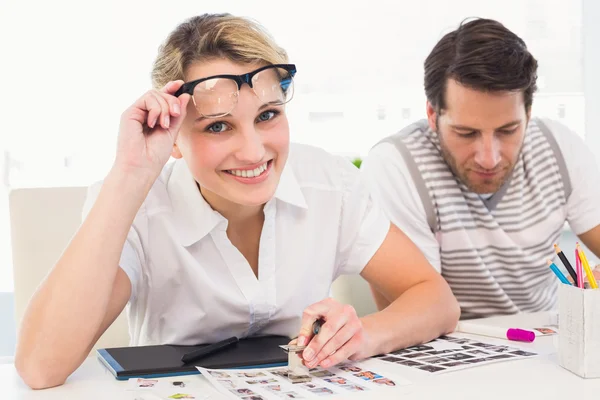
237,158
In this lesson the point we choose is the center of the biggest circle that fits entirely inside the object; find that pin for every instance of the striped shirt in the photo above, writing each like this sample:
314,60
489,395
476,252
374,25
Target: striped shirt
492,251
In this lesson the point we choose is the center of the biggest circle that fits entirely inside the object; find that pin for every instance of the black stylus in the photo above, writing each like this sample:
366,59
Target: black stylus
208,350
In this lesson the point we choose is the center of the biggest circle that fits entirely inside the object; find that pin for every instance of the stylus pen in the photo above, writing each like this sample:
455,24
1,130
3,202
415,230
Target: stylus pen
208,350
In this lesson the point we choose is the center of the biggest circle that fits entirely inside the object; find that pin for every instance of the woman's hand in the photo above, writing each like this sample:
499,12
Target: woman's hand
341,337
149,129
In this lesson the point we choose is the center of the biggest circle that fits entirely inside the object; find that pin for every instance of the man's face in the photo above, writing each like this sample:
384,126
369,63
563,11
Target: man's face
481,134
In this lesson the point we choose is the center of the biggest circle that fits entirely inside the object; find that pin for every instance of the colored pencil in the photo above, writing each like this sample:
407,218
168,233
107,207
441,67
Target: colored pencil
578,269
557,272
566,263
586,267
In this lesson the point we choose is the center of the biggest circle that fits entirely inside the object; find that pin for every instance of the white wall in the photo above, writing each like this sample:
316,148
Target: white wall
591,67
75,66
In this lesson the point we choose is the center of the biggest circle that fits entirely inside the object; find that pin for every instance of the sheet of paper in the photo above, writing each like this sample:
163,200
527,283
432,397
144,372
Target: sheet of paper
272,383
453,353
166,388
546,330
442,345
143,384
145,396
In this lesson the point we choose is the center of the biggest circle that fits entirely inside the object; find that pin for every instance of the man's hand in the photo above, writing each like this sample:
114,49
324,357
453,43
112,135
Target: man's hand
595,271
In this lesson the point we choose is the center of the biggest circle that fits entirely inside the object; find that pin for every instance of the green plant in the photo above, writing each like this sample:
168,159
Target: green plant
357,162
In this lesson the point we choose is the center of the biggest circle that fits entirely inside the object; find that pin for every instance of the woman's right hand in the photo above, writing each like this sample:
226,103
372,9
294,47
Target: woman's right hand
148,130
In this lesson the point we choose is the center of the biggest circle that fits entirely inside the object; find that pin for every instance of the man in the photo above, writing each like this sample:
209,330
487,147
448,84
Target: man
481,187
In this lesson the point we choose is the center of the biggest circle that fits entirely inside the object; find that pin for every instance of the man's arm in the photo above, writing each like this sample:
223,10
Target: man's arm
392,188
583,213
591,239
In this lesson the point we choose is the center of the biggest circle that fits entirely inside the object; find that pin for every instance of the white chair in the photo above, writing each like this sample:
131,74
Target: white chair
43,221
354,290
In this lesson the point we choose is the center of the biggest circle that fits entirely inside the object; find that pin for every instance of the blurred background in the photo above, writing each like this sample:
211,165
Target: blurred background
69,69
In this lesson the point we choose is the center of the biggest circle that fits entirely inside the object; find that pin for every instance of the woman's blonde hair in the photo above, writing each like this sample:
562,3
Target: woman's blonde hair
210,36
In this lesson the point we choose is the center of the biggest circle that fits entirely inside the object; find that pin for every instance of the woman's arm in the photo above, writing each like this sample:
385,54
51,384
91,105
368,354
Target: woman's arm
422,307
86,290
64,317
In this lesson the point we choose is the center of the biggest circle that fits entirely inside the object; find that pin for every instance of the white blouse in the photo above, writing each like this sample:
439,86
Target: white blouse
190,285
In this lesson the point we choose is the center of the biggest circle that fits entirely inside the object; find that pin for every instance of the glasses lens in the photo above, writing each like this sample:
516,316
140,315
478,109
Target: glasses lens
273,86
215,97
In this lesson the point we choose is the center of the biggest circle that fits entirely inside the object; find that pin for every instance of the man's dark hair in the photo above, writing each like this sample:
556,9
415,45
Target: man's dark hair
483,55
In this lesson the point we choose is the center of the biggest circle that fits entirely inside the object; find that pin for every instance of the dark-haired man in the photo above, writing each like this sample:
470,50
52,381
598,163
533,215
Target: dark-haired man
481,187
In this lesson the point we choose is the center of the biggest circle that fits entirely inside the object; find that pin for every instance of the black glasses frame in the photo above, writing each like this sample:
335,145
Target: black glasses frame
189,87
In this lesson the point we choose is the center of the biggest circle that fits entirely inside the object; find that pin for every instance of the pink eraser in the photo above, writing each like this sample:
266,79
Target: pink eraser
520,335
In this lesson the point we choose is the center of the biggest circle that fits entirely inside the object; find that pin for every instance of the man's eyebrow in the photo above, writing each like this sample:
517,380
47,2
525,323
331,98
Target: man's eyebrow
468,128
509,125
463,128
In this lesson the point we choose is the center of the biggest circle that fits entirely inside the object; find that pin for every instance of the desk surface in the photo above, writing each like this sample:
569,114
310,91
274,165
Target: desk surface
539,377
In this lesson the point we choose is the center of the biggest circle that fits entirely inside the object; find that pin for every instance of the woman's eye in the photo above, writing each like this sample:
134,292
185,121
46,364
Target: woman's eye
267,115
217,127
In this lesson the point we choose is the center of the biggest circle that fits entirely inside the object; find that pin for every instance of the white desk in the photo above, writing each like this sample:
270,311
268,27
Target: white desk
538,378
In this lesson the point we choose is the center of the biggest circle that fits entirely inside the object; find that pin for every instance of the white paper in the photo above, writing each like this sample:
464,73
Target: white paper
453,353
271,383
183,387
143,384
145,396
546,330
444,345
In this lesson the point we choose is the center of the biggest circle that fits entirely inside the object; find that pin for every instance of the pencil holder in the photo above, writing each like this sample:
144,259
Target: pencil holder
579,330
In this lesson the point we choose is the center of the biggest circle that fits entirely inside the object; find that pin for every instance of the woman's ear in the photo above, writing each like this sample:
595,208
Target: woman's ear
176,153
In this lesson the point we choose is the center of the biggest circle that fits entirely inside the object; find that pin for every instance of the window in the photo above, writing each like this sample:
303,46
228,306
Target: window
79,74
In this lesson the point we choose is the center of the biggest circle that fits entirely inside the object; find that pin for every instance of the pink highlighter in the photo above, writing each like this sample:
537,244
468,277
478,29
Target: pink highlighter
519,335
578,270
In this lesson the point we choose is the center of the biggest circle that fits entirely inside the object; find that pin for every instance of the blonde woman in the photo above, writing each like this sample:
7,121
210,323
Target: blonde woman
241,235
